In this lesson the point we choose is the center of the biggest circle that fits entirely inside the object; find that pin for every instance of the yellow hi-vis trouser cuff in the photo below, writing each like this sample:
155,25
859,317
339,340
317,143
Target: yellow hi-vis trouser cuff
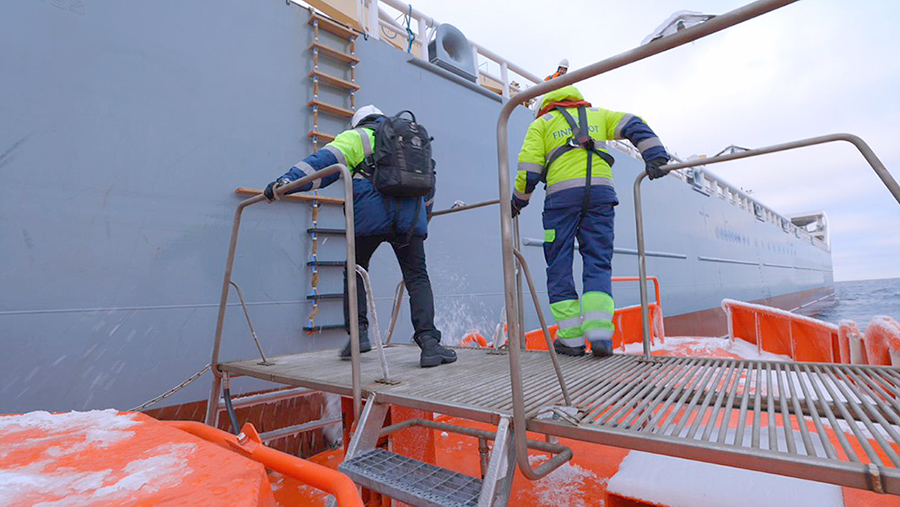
598,309
568,318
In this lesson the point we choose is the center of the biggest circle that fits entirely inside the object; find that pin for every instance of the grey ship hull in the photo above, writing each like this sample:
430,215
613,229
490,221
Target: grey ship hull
126,126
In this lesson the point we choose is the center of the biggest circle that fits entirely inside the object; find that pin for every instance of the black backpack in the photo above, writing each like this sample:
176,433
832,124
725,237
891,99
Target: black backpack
401,164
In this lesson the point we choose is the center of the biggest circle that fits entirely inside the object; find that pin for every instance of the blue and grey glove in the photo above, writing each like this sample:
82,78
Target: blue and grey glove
654,168
517,205
270,189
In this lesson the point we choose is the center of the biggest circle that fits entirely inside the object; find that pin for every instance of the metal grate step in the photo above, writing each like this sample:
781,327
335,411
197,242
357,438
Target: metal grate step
412,481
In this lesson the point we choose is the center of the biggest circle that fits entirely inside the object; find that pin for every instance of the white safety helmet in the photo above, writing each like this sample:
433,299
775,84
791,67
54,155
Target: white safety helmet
361,113
564,63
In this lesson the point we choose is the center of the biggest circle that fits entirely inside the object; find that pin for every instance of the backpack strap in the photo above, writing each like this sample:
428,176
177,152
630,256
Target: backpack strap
365,167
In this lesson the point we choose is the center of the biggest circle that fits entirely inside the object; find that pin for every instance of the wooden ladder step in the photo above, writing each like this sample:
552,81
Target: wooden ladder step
330,109
336,295
333,53
322,230
332,26
324,327
330,264
322,136
334,81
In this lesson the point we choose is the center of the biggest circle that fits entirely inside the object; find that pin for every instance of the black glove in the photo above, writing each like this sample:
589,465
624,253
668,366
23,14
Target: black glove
517,205
654,169
270,188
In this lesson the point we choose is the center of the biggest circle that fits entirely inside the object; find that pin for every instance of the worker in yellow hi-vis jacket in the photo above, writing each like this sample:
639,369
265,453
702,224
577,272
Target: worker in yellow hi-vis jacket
564,148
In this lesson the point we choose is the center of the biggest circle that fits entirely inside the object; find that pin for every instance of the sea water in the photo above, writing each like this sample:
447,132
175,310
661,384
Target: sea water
860,300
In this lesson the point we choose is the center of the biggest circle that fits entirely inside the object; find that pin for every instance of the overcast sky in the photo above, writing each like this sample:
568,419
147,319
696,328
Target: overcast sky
812,68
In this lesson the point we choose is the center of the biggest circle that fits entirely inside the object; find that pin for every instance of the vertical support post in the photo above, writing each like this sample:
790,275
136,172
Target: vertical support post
642,264
475,59
504,76
520,292
374,25
423,29
352,308
500,469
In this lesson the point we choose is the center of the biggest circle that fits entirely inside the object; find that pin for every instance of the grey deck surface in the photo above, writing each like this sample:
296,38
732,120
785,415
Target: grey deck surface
768,416
476,385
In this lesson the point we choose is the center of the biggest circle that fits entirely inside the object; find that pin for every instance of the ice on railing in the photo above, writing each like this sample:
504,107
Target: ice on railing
882,341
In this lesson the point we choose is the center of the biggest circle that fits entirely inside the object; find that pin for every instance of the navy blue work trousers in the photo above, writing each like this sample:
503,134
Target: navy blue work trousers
410,253
594,231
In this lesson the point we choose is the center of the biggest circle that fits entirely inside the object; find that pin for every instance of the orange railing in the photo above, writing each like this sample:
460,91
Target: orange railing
781,332
249,444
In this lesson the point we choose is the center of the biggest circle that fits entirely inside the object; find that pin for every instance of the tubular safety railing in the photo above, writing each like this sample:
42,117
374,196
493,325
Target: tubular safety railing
425,28
861,145
212,406
250,445
509,241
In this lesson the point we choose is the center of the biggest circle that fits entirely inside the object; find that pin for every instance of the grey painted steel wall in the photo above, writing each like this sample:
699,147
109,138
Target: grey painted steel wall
126,127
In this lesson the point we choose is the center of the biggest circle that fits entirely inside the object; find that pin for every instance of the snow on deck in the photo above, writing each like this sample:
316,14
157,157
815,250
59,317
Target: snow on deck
678,482
104,457
690,346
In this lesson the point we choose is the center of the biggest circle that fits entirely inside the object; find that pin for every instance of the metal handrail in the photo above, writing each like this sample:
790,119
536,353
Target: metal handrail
212,406
540,313
240,294
250,445
685,36
370,303
856,141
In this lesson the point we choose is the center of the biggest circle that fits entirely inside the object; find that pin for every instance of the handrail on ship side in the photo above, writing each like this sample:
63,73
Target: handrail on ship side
212,406
680,38
856,141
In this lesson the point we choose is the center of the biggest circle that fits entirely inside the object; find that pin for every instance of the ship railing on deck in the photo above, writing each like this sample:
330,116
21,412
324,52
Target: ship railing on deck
864,149
425,27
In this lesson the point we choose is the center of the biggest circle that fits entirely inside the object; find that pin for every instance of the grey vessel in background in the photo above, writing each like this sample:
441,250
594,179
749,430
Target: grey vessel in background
127,126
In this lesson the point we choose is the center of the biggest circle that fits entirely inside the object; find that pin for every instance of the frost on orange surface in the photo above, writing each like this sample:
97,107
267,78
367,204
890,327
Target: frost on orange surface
111,458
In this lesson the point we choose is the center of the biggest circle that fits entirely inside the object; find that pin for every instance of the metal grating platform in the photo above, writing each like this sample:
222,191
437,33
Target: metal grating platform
767,416
412,481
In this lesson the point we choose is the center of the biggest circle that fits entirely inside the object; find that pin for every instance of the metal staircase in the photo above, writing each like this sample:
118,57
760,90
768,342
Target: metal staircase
424,484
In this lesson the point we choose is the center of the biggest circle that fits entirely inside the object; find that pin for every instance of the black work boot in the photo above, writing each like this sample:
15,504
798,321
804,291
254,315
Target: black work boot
562,348
433,354
602,348
364,345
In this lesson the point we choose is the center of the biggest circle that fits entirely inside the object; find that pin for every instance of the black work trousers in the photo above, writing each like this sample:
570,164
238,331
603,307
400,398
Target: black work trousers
410,252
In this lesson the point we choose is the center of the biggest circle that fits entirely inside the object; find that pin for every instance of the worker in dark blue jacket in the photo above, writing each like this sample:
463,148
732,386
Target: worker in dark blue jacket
400,221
